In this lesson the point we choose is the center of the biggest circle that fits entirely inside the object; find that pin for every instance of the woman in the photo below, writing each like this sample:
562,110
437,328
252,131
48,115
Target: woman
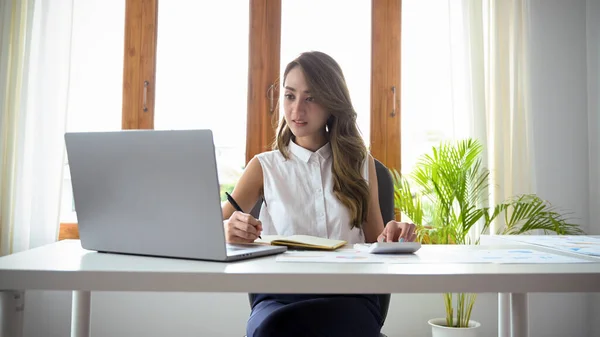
320,181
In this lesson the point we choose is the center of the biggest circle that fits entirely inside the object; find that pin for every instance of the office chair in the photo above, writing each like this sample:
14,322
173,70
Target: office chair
385,186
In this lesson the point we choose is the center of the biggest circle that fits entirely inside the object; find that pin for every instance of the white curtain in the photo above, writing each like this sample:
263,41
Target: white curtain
490,76
35,61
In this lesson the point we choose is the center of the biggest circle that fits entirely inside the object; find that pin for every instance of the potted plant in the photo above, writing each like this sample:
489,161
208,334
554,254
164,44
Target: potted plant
446,195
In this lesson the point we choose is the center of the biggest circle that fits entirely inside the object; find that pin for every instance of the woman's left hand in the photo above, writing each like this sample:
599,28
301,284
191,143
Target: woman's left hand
394,231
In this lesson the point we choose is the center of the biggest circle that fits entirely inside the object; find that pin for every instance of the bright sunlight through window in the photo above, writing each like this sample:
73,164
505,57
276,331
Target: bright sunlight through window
96,82
340,28
202,75
431,110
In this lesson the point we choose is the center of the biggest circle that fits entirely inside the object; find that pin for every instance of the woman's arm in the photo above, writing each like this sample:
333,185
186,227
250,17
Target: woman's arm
374,225
248,189
242,227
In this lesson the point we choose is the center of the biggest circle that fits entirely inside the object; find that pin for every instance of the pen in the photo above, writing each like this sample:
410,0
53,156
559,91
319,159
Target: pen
235,205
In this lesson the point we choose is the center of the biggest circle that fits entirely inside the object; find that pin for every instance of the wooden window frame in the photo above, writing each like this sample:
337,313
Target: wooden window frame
263,74
139,74
385,82
139,64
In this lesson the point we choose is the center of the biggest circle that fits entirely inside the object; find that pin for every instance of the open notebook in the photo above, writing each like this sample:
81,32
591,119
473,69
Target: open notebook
301,241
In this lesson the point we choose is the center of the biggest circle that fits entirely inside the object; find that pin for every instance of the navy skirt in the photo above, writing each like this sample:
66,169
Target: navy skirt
314,315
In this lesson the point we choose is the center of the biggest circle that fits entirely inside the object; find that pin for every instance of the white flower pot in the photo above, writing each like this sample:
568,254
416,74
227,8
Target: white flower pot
439,329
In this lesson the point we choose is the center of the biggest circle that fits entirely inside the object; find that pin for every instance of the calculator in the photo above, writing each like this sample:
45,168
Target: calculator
388,247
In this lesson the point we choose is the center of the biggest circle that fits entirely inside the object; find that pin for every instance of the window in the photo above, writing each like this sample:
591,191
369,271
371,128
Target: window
96,80
346,38
202,76
210,64
432,108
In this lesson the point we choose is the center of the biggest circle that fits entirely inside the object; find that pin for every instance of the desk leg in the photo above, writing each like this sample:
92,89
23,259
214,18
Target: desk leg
81,313
503,315
518,315
12,309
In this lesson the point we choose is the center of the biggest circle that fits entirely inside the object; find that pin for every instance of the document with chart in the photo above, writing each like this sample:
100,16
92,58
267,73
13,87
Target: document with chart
579,244
437,254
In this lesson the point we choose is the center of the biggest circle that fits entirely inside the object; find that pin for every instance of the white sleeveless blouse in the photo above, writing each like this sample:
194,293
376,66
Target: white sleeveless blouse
299,195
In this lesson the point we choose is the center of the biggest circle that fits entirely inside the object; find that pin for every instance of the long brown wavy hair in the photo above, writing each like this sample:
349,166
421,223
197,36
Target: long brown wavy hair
328,87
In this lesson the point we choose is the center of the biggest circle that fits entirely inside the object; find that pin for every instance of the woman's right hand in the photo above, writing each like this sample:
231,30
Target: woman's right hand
242,228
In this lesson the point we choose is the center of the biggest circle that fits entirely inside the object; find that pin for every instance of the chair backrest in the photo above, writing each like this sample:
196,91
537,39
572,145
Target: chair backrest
385,186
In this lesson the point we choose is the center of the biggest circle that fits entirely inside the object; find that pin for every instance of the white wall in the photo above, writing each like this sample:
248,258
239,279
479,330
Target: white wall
565,105
559,103
593,100
593,81
564,158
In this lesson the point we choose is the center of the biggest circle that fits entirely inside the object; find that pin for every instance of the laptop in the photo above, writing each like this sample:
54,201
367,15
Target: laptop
151,192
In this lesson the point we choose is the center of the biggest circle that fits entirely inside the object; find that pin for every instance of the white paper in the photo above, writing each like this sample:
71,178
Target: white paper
450,255
338,256
500,256
578,244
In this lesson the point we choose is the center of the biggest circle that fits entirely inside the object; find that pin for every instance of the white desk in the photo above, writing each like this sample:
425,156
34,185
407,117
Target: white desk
66,266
